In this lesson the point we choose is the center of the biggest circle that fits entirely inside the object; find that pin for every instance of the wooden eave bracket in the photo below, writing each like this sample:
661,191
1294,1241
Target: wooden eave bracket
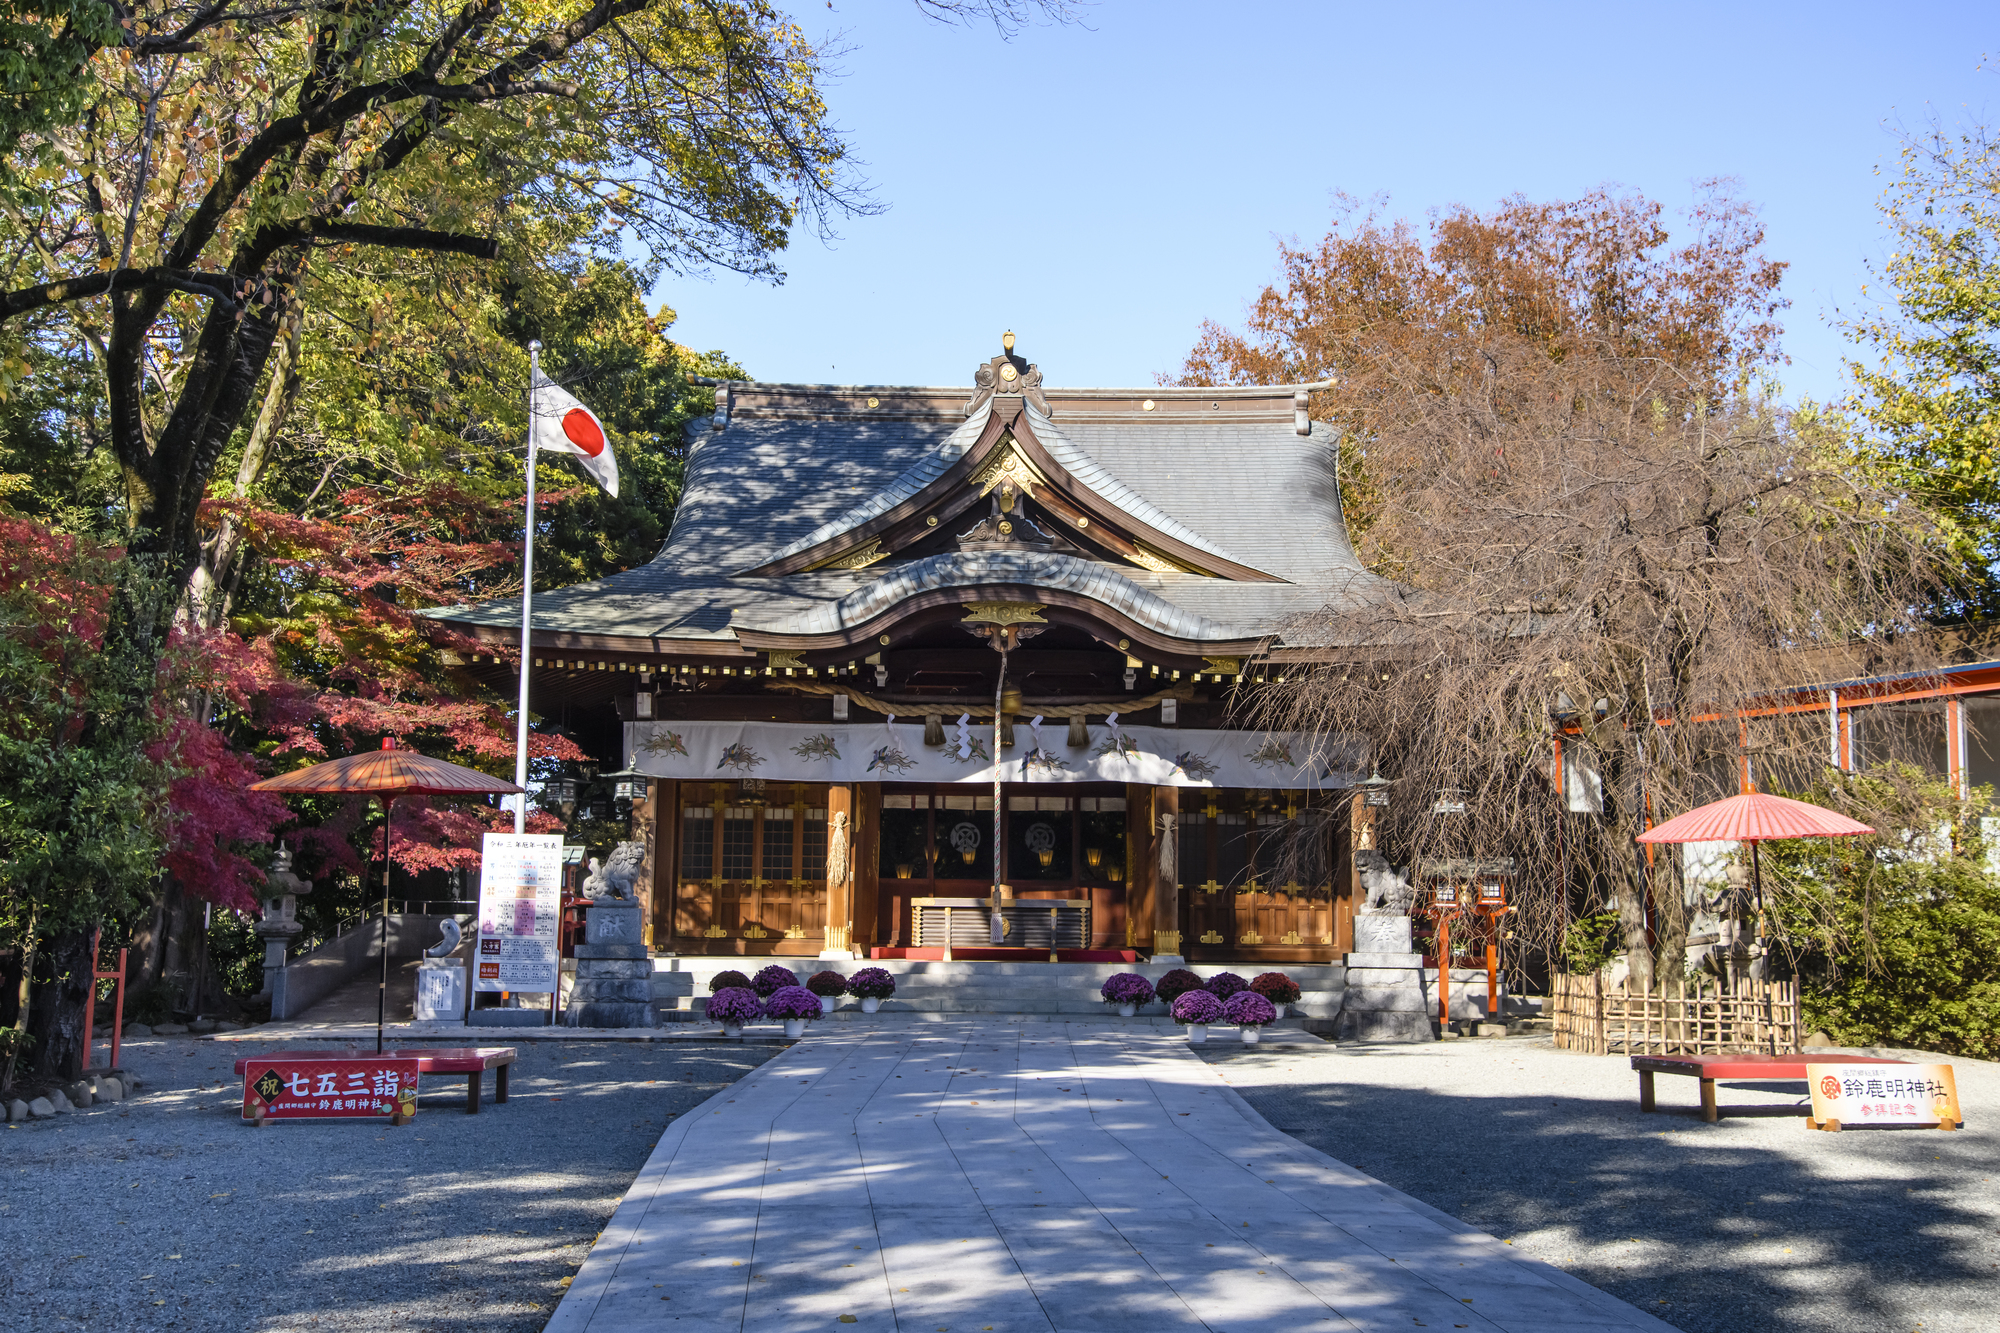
1063,496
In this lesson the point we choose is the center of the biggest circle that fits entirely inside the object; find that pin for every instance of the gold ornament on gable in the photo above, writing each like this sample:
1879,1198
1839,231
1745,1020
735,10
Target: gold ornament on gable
1004,613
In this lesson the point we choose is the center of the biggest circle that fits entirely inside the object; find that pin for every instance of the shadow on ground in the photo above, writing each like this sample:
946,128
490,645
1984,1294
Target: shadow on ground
169,1213
1755,1223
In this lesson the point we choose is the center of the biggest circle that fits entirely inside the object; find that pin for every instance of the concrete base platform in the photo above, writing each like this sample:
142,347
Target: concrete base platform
1044,1178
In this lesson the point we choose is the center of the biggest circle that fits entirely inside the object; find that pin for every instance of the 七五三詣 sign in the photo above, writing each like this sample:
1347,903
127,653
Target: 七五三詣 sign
1853,1095
338,1087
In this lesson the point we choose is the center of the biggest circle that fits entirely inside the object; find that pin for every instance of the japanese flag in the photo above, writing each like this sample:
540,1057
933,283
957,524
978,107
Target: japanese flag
562,425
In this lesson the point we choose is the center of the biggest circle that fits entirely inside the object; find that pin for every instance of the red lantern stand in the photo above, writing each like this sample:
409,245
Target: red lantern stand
1445,900
1492,904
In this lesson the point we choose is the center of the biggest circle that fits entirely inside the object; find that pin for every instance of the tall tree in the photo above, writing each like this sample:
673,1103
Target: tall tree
225,151
1600,275
1930,385
1594,532
176,199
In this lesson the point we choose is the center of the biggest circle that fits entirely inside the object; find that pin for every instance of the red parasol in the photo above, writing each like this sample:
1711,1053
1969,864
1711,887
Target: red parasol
1755,817
386,774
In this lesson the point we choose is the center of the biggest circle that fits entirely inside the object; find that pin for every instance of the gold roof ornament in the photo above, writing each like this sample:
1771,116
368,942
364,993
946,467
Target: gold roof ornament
1004,613
1007,373
859,558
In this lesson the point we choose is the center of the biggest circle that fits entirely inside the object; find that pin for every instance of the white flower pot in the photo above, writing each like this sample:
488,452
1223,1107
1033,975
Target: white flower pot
796,1028
1249,1035
870,1003
1197,1033
827,1002
1127,1010
732,1029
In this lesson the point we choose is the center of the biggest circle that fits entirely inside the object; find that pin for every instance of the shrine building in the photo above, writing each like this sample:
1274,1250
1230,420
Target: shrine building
859,578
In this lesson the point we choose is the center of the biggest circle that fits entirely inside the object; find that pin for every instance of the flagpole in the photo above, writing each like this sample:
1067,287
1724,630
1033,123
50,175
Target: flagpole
527,603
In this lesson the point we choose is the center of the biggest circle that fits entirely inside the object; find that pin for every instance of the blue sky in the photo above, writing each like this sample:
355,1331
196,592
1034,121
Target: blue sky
1102,189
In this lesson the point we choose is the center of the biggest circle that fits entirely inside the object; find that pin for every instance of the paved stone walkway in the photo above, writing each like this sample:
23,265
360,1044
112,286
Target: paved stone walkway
967,1177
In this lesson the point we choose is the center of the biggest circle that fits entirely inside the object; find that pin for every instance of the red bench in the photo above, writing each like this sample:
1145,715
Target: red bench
471,1061
1743,1065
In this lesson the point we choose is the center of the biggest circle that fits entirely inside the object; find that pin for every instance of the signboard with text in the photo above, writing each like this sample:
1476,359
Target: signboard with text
339,1087
520,910
1883,1094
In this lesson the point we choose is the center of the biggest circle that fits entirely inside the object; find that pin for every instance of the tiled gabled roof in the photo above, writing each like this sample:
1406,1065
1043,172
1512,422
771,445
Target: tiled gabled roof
1085,470
795,460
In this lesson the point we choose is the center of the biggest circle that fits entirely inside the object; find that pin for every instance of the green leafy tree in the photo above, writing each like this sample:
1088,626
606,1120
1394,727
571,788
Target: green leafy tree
1895,936
225,155
83,818
1931,388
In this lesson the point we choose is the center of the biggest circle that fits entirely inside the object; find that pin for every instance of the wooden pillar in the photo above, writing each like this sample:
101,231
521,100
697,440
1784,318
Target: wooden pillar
1360,838
1165,844
1346,879
1140,877
869,926
644,832
662,855
840,877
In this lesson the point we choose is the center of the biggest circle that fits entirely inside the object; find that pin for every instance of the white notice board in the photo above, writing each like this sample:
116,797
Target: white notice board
520,907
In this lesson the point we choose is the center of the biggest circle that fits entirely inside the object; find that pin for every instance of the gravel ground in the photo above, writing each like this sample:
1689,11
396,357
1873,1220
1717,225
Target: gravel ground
1755,1223
167,1212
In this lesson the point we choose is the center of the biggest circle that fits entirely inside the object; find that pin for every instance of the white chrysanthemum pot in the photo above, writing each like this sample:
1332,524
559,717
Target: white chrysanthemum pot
870,1003
1249,1034
795,1028
732,1029
1197,1033
1127,1010
827,1002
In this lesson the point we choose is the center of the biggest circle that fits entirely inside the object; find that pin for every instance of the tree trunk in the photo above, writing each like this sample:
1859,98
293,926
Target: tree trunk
1671,913
1619,825
55,1019
212,583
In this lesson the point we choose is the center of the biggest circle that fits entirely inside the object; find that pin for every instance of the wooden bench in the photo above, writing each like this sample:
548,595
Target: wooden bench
471,1061
1734,1064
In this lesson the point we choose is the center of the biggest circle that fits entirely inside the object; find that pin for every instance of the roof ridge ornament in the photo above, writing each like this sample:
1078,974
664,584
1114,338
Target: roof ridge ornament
1009,374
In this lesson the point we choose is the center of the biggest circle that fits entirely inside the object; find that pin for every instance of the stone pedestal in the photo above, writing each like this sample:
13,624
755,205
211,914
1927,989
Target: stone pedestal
614,969
1385,998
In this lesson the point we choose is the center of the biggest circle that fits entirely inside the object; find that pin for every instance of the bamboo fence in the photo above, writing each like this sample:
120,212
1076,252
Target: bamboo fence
1678,1018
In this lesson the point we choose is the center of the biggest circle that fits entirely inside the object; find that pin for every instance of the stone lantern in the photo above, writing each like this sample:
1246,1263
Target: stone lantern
279,926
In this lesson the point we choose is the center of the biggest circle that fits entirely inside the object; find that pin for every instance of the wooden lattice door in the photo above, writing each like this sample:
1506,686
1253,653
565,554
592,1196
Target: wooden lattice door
753,869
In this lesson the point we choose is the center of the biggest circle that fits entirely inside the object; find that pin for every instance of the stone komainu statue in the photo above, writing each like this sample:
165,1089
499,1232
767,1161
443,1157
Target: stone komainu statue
1385,890
618,877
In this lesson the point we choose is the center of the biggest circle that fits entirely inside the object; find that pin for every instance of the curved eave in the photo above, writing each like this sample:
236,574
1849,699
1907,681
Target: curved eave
1068,607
